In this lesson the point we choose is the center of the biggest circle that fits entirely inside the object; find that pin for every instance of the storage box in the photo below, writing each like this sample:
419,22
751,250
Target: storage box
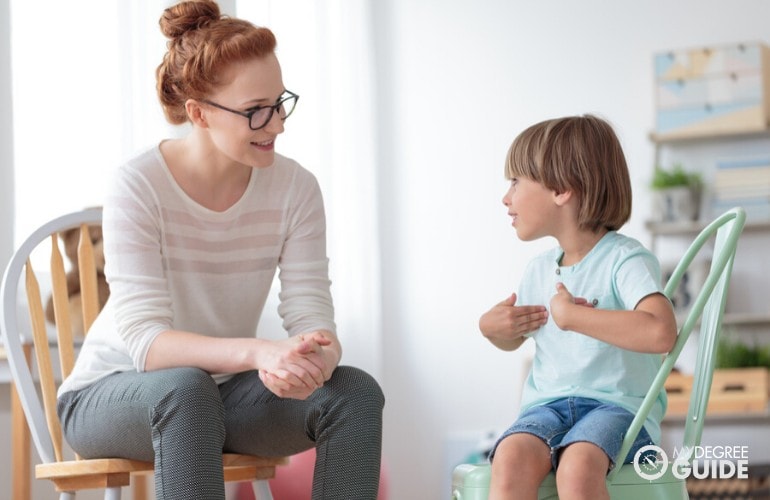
712,90
732,391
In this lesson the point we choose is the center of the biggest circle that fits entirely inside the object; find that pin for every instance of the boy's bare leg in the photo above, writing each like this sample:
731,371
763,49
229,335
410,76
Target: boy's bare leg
520,464
582,472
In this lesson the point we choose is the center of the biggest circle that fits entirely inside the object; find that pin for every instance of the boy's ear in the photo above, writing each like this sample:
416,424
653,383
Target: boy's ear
562,199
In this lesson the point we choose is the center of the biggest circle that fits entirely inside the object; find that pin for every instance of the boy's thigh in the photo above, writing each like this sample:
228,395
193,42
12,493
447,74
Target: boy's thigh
545,422
605,426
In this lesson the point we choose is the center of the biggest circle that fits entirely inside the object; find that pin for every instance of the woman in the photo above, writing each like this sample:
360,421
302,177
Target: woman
194,231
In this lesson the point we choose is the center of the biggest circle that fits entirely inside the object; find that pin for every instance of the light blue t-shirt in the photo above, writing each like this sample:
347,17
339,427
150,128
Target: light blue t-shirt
616,274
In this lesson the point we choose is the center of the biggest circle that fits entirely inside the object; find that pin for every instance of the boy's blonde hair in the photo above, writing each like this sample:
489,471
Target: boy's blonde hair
581,154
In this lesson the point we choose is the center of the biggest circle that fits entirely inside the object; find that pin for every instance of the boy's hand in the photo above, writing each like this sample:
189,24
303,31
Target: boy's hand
561,303
506,322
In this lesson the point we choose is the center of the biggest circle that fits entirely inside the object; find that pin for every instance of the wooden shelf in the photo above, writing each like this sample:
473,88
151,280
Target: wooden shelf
731,134
688,227
737,319
742,418
746,319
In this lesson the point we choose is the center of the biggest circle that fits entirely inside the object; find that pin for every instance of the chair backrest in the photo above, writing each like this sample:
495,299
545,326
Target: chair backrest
40,409
707,309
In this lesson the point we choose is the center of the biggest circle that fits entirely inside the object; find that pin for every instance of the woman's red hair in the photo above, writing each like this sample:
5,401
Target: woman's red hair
202,44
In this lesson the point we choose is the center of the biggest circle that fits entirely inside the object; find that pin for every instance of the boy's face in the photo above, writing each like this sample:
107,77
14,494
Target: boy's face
531,206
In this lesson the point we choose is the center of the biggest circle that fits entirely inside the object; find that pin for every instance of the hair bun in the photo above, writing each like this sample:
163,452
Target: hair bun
187,16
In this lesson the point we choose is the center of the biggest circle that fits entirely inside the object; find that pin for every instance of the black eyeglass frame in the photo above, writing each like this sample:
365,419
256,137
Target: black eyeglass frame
250,114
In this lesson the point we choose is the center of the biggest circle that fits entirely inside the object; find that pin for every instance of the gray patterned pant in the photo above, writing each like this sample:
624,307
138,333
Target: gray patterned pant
180,419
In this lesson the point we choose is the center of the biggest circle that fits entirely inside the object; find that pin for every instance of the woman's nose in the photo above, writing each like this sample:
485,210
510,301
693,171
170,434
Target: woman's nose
275,124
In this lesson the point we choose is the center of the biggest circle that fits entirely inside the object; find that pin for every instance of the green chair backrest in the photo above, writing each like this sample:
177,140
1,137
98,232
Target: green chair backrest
707,308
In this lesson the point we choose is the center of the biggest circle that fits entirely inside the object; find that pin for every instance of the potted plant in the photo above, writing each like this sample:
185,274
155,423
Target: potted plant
676,194
736,354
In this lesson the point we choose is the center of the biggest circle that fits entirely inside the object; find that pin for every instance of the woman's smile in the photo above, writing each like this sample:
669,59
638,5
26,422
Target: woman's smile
264,145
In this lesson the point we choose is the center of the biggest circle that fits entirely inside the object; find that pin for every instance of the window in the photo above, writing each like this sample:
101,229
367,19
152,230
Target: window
83,96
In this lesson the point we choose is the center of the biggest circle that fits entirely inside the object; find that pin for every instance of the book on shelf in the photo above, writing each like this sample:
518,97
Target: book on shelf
743,182
742,176
756,210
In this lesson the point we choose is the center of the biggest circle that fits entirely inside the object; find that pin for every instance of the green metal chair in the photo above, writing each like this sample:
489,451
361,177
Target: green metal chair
471,482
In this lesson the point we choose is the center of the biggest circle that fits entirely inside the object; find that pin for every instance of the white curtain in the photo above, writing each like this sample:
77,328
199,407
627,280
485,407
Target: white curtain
327,56
6,139
99,108
141,46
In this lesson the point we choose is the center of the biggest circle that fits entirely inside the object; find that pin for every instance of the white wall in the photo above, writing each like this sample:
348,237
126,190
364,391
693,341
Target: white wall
6,209
458,80
6,138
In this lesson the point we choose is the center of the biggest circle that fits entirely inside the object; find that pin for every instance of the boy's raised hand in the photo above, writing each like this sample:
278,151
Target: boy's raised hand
506,323
560,303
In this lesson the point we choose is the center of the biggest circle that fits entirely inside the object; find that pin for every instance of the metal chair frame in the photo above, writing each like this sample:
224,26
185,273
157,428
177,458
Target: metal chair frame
706,312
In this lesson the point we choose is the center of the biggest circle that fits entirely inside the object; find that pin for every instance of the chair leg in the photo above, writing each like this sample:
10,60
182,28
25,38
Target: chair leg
139,482
112,493
262,490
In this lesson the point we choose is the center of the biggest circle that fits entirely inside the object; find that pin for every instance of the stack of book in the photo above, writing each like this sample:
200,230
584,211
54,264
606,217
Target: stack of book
744,183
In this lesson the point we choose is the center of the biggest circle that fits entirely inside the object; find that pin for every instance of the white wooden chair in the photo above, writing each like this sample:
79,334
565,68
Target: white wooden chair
72,475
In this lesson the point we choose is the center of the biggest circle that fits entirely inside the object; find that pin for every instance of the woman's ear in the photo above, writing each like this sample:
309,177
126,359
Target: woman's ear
196,113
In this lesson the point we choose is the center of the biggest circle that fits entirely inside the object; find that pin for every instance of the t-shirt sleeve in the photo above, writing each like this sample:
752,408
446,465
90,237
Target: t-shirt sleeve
637,276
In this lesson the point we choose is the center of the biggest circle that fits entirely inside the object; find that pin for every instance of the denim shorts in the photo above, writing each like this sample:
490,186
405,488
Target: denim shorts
572,420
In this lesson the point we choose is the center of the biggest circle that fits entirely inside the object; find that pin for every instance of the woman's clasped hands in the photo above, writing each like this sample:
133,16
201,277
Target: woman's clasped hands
297,366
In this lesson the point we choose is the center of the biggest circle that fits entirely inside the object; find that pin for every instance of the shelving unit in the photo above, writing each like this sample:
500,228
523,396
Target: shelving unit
701,153
693,227
749,283
713,109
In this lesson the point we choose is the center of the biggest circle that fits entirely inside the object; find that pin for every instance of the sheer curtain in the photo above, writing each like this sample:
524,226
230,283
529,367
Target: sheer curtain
6,139
83,96
98,107
327,56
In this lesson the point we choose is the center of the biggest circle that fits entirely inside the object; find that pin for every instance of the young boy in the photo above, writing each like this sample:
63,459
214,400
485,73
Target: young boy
593,305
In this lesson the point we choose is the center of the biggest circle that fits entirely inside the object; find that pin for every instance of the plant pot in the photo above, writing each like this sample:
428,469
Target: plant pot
675,204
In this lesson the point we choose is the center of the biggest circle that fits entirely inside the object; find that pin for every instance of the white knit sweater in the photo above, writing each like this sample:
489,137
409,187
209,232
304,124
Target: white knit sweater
173,264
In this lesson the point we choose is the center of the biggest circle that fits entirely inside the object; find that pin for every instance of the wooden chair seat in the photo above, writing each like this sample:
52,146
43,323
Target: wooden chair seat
110,472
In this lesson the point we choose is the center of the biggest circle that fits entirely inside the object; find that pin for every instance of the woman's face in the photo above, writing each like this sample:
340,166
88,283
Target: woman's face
252,83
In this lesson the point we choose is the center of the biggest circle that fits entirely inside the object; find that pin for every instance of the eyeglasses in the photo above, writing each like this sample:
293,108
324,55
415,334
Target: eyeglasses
260,116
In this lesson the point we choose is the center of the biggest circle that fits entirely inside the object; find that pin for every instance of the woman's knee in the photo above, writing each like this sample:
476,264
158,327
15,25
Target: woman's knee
186,382
357,385
189,394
